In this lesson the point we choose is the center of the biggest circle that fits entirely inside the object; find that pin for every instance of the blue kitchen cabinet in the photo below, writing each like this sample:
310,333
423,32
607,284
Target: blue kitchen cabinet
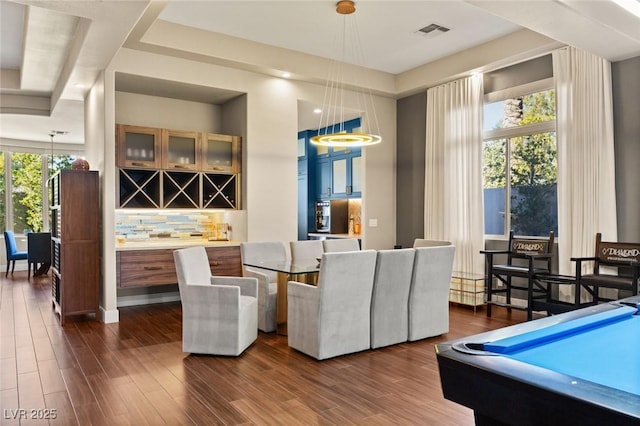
346,178
324,179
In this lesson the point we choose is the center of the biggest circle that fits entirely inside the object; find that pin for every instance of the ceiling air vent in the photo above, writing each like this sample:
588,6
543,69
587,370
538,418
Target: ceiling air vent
432,30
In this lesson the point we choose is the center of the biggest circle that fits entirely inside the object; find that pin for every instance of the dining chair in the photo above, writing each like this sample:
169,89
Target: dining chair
390,297
429,293
340,244
421,242
262,251
333,318
39,252
306,250
12,251
219,314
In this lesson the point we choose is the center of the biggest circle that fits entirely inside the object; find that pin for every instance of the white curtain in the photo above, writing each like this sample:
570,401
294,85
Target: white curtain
453,175
586,168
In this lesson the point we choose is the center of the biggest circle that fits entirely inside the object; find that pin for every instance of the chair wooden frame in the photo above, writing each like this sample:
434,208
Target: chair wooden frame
537,252
623,256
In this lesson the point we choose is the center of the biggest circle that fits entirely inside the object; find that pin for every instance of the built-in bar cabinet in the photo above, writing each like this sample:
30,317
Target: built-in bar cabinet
162,168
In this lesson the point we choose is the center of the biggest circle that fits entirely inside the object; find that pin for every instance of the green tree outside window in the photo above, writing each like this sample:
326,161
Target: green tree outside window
3,188
27,188
531,162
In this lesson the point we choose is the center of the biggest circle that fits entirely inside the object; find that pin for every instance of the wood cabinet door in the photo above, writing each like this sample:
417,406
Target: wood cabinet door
225,261
79,275
138,147
139,268
181,150
221,153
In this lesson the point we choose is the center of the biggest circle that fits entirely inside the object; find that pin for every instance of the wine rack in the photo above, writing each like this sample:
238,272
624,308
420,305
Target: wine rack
139,188
180,190
220,191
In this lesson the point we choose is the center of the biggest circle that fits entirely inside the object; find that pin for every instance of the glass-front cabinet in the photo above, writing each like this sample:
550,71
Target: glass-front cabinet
138,146
221,153
345,177
180,149
339,177
356,175
162,168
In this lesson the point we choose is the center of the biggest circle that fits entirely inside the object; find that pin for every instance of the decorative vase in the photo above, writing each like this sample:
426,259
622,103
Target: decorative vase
80,164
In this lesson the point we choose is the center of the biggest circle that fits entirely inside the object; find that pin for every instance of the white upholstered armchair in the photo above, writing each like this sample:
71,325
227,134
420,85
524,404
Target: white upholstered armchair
429,294
219,314
390,298
306,250
262,251
340,244
421,242
333,318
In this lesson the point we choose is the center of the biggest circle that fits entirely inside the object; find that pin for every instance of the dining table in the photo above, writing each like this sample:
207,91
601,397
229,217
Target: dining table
305,271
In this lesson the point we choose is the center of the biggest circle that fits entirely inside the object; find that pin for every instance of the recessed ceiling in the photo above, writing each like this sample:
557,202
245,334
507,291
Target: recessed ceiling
388,30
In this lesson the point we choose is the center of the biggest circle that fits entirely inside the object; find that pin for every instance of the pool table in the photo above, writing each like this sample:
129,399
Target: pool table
580,367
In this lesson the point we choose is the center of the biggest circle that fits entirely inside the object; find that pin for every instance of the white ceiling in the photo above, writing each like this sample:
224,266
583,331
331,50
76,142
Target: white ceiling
38,91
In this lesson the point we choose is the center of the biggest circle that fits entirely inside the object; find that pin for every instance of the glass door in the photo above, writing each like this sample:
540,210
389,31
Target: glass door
181,150
221,153
138,147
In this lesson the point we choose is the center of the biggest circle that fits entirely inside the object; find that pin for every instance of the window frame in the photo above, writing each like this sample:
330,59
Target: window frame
512,132
8,194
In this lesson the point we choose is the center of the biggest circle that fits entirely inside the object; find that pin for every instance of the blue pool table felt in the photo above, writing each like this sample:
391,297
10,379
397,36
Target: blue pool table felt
602,348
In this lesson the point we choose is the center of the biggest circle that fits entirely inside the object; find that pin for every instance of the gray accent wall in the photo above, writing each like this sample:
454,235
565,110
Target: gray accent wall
518,74
626,116
411,119
626,127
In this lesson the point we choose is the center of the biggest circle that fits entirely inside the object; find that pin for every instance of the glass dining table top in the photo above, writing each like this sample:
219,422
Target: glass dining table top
288,267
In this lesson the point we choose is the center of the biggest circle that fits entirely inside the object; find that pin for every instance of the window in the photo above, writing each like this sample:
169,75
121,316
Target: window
23,175
3,189
520,165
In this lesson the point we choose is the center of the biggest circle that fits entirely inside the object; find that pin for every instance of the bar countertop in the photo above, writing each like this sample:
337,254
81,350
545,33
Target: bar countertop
171,243
328,235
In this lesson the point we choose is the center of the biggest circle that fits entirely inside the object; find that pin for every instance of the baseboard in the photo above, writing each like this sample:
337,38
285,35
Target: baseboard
109,316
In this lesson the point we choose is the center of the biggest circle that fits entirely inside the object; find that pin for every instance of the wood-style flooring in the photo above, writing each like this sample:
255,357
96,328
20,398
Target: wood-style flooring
135,373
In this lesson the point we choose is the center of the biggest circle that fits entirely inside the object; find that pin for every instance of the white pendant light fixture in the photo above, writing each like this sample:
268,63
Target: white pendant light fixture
332,119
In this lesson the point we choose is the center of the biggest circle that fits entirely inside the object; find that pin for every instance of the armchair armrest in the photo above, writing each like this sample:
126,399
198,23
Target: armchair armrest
495,251
203,294
304,296
263,279
579,259
298,289
248,285
303,305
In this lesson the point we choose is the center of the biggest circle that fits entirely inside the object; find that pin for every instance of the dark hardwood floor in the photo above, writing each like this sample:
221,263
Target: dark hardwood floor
135,373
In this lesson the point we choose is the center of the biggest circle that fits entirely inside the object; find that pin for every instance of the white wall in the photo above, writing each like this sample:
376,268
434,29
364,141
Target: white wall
100,150
270,167
174,114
